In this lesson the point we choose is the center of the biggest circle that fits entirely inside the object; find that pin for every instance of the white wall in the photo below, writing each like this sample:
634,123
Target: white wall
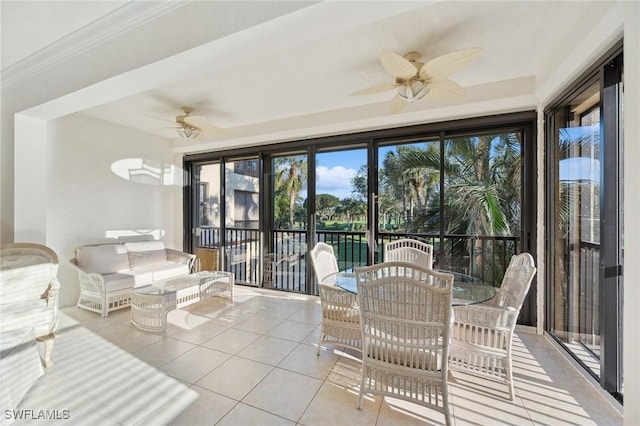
88,202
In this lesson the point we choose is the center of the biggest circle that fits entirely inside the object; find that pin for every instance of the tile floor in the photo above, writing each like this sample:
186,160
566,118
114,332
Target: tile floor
253,362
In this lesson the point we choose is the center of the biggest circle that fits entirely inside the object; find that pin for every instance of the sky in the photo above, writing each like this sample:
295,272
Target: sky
335,170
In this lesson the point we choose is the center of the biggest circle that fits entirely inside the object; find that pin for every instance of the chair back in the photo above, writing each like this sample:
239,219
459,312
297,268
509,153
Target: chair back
410,251
323,260
405,315
516,282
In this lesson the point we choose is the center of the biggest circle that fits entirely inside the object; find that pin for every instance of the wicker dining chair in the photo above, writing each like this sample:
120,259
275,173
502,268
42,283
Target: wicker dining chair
406,321
410,251
482,334
340,315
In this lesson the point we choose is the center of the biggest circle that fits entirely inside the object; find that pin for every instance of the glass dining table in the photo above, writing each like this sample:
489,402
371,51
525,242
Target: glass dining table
467,290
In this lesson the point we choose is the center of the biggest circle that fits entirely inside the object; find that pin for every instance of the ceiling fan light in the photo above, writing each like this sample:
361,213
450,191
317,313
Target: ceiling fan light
411,91
188,132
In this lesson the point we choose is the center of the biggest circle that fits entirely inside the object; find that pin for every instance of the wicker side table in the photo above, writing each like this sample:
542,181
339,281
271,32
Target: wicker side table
150,304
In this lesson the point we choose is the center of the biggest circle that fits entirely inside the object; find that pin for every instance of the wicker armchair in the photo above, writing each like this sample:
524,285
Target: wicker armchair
406,321
340,315
482,334
410,251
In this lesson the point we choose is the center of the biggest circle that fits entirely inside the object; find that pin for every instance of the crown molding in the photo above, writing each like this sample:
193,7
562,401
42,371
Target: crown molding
111,25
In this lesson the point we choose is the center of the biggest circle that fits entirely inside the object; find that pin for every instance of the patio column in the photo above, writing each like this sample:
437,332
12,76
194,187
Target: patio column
30,180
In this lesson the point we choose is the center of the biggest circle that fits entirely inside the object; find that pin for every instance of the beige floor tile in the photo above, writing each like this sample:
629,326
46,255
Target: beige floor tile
193,407
231,341
185,319
104,374
163,351
128,338
337,405
303,360
398,412
235,378
308,314
314,337
284,393
194,364
346,372
291,330
128,402
267,349
551,404
243,414
121,316
74,317
201,333
259,323
283,310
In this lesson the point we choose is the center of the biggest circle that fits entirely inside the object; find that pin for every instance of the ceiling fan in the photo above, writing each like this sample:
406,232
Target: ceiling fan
416,80
194,126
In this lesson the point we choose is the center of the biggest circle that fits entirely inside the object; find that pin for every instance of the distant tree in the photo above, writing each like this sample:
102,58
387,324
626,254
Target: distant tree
359,184
326,206
291,176
352,210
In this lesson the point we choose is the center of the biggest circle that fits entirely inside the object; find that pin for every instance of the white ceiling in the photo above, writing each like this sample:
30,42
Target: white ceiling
274,88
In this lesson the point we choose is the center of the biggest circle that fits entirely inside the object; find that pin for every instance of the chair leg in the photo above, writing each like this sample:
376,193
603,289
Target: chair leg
320,342
509,375
445,400
362,381
48,341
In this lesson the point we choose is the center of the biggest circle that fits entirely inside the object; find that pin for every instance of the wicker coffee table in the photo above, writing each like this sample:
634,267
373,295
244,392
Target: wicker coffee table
150,304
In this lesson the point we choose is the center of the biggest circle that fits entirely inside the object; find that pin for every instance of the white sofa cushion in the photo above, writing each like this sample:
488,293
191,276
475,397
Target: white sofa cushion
144,275
125,280
163,272
146,253
103,259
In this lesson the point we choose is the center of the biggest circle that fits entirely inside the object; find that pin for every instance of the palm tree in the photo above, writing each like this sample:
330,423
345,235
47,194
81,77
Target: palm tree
482,185
291,176
410,178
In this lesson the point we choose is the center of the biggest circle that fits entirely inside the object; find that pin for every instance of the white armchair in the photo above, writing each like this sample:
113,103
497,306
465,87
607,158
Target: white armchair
340,315
410,251
406,321
482,334
28,314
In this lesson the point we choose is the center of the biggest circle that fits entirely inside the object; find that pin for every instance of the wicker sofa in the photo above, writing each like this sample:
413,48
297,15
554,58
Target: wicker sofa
108,272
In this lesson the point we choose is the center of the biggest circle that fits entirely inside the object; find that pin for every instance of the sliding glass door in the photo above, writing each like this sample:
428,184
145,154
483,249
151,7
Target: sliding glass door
242,218
584,284
285,264
258,211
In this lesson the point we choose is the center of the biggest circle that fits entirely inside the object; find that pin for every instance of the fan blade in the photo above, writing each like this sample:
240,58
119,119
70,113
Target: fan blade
444,89
196,121
446,65
397,104
375,89
201,123
397,66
